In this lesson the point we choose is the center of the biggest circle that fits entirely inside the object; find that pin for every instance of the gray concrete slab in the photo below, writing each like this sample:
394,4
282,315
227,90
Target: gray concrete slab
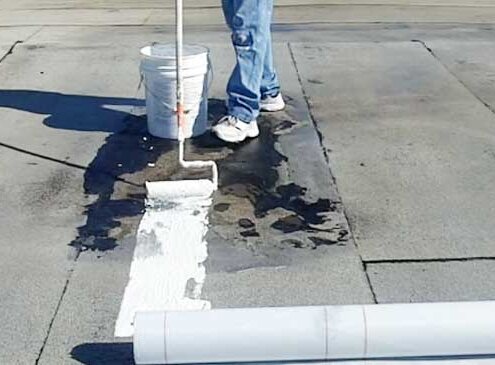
10,35
347,14
41,204
286,160
473,63
433,281
90,309
84,4
83,327
54,105
56,17
333,278
285,269
211,15
335,271
135,36
409,146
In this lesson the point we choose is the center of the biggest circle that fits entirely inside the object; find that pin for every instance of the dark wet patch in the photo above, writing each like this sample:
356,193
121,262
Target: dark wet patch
250,172
317,82
293,243
125,152
343,235
250,233
190,290
289,224
291,198
318,241
284,125
31,47
53,191
246,223
221,207
136,196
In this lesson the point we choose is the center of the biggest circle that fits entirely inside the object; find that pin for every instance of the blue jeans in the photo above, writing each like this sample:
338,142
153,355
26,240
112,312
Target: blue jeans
254,75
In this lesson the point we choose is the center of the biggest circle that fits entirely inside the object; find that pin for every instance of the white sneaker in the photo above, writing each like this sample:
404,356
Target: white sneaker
272,103
232,130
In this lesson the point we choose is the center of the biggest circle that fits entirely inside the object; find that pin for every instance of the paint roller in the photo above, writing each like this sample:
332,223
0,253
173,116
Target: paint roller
175,190
165,190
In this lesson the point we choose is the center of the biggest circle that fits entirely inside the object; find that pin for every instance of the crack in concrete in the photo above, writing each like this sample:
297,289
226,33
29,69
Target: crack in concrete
433,260
57,308
35,33
432,53
17,42
66,163
327,159
10,51
310,111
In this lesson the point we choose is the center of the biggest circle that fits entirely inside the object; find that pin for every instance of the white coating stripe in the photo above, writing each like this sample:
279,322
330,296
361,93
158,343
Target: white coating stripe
170,251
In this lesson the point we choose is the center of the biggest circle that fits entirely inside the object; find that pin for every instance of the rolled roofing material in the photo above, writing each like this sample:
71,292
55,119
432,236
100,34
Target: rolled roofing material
315,333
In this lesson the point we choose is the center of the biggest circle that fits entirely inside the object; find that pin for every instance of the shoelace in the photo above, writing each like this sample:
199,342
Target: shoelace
229,119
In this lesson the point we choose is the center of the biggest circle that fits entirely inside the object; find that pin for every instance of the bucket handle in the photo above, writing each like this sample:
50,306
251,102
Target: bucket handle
209,83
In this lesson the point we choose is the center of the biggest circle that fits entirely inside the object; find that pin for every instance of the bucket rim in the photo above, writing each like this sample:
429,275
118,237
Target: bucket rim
149,46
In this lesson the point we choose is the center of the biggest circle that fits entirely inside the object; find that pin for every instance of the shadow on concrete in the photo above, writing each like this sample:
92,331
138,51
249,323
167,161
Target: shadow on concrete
72,112
126,150
103,354
121,353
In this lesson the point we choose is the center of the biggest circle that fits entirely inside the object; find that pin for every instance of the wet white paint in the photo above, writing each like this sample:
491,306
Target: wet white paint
167,271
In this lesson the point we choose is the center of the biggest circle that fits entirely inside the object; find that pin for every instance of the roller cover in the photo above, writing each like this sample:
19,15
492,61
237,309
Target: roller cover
173,190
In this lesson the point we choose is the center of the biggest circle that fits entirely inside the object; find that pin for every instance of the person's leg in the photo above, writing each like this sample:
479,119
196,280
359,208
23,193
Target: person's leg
249,21
269,83
271,98
228,11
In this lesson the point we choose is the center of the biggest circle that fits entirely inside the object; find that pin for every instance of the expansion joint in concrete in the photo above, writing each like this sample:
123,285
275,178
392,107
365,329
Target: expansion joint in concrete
66,163
432,260
432,53
310,110
57,308
320,136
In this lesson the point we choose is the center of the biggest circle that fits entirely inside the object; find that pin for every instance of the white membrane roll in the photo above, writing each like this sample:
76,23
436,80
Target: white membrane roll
346,332
153,339
317,333
235,335
431,329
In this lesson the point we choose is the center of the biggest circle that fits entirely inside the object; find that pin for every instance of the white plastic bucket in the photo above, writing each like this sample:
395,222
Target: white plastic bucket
158,68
